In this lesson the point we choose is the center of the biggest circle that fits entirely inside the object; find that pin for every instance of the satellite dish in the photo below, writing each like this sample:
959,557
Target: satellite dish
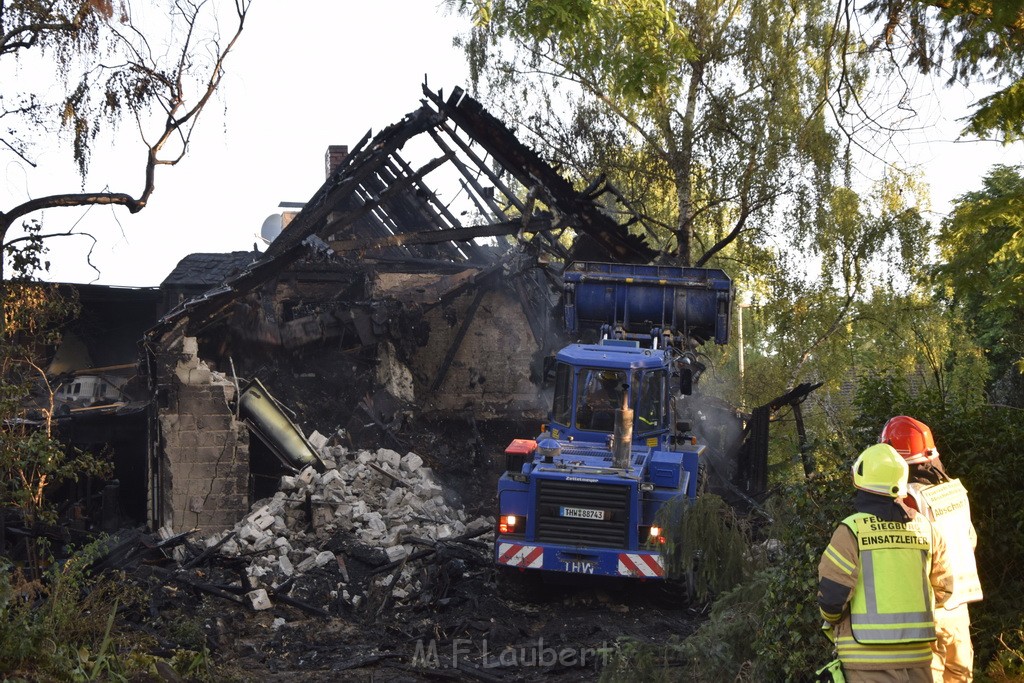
272,227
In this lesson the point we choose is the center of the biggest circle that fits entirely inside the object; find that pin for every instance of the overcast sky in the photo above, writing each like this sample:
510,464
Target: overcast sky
308,74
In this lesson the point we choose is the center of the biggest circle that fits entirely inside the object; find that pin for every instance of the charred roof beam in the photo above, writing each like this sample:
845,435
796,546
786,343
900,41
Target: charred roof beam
488,198
431,236
347,217
527,167
482,165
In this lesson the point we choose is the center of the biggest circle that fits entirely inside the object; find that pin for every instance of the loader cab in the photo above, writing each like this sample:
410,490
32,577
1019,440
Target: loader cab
593,381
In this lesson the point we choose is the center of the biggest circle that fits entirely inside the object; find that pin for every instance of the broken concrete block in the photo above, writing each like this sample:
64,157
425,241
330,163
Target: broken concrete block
190,346
249,533
394,498
289,483
479,524
364,457
285,566
275,505
259,599
399,594
229,549
336,495
324,558
397,532
278,623
329,477
317,440
369,536
443,531
396,553
279,526
263,542
307,475
427,489
256,571
390,457
374,521
322,516
306,564
403,514
411,462
264,521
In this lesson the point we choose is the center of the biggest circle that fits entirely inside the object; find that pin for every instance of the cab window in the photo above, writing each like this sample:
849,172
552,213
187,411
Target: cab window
650,413
561,410
599,395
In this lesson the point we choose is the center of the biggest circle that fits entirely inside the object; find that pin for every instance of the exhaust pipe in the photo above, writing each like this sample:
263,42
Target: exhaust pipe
622,436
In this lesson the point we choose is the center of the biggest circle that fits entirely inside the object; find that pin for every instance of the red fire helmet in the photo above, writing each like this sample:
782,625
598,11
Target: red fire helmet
911,438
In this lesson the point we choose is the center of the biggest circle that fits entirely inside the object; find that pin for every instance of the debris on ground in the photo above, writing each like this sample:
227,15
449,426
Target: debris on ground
373,569
355,534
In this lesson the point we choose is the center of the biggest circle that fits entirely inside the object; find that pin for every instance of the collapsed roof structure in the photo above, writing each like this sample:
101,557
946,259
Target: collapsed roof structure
429,284
377,208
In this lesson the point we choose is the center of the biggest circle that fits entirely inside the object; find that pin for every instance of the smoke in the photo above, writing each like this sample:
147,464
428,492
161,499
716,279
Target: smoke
719,426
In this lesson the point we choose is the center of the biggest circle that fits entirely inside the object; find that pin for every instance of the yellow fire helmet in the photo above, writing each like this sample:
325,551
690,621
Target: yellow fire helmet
880,469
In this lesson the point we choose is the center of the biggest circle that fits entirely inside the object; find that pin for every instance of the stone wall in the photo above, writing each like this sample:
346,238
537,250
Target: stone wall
204,450
490,374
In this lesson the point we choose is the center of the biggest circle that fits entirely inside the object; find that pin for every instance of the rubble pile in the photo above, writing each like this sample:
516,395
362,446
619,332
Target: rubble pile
351,534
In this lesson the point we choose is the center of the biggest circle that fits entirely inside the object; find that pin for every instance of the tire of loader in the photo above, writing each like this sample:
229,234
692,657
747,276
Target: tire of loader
676,593
682,586
519,586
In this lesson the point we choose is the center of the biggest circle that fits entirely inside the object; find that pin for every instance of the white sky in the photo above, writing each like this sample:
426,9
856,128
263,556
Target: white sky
307,74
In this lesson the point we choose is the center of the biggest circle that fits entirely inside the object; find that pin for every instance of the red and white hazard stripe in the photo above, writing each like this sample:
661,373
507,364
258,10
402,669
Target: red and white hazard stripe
517,555
641,565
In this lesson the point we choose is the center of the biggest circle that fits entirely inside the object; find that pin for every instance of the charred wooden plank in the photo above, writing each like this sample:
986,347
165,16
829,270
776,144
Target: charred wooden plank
197,585
201,557
285,599
433,236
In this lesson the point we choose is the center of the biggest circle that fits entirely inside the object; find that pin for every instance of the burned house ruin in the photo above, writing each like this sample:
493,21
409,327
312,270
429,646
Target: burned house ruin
380,295
416,291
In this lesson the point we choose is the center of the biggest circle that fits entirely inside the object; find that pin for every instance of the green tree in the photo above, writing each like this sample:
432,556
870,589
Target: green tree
88,66
709,115
979,40
981,274
728,127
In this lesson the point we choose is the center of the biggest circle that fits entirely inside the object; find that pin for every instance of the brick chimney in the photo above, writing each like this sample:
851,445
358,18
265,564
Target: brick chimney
335,155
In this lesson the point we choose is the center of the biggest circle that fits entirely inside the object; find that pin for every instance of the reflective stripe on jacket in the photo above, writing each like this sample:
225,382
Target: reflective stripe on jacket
839,577
892,600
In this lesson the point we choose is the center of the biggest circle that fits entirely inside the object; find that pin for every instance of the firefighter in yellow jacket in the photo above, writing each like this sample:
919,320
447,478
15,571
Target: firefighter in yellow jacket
944,502
881,576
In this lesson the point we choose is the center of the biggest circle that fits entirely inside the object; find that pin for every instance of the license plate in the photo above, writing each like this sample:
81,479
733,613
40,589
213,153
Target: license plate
582,513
